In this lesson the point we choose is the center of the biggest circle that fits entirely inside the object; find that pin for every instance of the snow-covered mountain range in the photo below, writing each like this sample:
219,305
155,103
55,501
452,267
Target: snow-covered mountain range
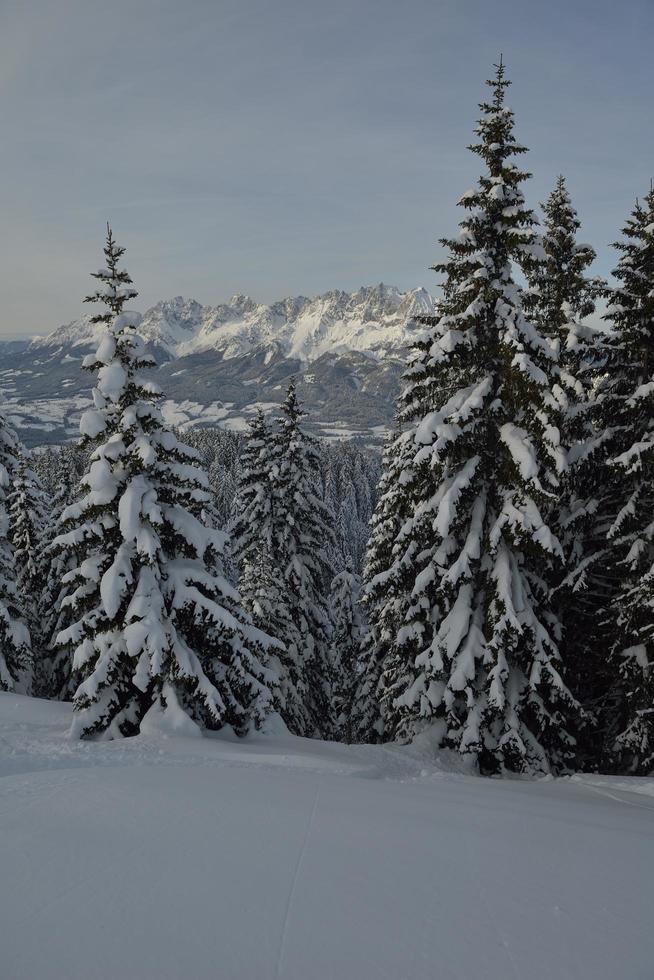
217,364
373,320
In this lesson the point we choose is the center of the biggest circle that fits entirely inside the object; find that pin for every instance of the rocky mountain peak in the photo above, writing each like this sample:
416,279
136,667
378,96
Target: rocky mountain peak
372,320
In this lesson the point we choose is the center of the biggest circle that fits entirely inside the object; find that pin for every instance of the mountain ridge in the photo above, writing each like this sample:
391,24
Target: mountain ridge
372,320
218,364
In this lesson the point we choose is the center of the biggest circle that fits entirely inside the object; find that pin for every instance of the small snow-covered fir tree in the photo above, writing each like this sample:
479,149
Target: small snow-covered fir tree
627,409
347,633
364,511
26,521
261,583
561,296
476,657
384,592
57,678
27,525
156,633
15,648
301,540
252,526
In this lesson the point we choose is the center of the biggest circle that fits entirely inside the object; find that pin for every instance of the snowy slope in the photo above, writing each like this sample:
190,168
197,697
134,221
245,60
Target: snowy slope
374,319
285,858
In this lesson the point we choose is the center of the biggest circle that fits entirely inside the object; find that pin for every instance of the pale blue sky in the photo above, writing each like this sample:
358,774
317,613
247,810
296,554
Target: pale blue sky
293,146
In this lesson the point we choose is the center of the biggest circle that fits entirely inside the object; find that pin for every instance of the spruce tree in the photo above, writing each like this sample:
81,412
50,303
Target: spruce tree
301,539
384,594
360,525
156,633
560,298
27,525
346,638
252,526
627,409
27,520
261,583
15,648
476,656
346,528
57,678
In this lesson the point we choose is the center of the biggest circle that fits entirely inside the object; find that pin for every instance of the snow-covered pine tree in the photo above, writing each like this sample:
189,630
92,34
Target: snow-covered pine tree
384,592
223,483
360,525
560,293
346,528
479,660
264,598
302,536
27,525
252,526
57,679
560,297
15,649
626,405
157,635
261,583
26,528
347,633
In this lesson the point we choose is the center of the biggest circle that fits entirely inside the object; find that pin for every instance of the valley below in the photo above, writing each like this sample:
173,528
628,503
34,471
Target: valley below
217,365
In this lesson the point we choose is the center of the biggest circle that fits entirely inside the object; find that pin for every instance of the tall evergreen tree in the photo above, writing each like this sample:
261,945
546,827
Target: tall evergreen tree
261,582
346,638
627,408
560,297
385,591
15,649
302,536
156,631
27,525
476,657
252,527
57,679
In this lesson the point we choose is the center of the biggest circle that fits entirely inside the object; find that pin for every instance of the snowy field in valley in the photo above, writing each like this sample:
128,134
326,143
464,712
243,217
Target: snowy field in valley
273,857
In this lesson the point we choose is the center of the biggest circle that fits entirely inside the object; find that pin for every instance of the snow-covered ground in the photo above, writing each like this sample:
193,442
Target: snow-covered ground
281,857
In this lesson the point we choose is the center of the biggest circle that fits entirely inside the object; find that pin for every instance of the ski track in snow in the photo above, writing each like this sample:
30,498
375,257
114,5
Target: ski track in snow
276,858
291,892
611,796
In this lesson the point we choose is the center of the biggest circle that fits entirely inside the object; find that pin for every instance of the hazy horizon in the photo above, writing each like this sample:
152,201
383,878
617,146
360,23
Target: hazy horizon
243,148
